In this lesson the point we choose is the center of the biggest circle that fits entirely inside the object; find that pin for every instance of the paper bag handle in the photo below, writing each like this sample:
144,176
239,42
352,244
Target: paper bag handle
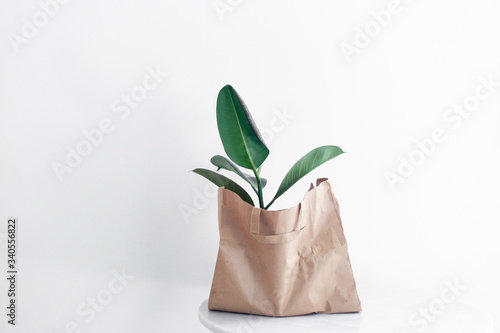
273,239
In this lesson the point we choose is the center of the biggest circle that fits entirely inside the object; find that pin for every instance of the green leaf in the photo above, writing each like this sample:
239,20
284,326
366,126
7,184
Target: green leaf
253,180
306,164
239,134
224,163
221,180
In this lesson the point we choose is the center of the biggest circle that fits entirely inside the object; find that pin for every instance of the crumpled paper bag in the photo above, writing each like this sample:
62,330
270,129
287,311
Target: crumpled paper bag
283,263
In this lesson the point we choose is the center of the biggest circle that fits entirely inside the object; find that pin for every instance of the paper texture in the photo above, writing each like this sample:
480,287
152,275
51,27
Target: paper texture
283,263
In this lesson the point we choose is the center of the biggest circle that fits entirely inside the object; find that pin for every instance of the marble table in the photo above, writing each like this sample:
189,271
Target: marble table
386,311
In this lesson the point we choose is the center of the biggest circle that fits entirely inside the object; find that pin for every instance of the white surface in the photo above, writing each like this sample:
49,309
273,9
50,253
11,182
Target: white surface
120,208
383,311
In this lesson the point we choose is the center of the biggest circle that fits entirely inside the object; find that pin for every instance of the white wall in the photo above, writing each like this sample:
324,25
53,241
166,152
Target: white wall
120,207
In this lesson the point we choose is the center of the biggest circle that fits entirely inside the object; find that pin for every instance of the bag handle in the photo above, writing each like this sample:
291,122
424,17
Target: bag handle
273,239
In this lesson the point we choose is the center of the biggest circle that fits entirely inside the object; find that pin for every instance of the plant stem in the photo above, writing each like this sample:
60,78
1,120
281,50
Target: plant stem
270,204
259,185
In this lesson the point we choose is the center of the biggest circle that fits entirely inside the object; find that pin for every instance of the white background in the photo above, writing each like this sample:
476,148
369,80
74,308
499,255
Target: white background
120,208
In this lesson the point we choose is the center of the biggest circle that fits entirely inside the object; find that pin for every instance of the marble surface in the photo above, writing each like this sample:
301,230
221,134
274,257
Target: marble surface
383,311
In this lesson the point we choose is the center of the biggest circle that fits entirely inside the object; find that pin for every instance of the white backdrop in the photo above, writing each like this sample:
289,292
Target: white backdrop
106,105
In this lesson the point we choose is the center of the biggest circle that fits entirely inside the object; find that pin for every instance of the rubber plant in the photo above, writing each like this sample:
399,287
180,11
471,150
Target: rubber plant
245,148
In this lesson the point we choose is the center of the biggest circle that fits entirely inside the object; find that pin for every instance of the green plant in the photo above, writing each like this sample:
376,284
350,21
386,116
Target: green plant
245,148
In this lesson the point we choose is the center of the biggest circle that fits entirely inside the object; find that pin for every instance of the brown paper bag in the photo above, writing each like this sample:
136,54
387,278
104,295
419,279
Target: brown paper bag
283,263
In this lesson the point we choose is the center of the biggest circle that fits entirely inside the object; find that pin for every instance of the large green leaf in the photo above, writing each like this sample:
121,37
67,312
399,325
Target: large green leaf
224,163
239,134
306,164
221,180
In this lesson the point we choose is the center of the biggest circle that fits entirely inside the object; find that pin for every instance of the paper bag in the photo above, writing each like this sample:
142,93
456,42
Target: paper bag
283,263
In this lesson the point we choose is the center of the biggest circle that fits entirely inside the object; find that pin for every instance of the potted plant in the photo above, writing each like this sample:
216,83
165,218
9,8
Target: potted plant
276,263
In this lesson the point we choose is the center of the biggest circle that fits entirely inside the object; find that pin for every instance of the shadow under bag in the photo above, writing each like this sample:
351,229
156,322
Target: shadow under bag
283,263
